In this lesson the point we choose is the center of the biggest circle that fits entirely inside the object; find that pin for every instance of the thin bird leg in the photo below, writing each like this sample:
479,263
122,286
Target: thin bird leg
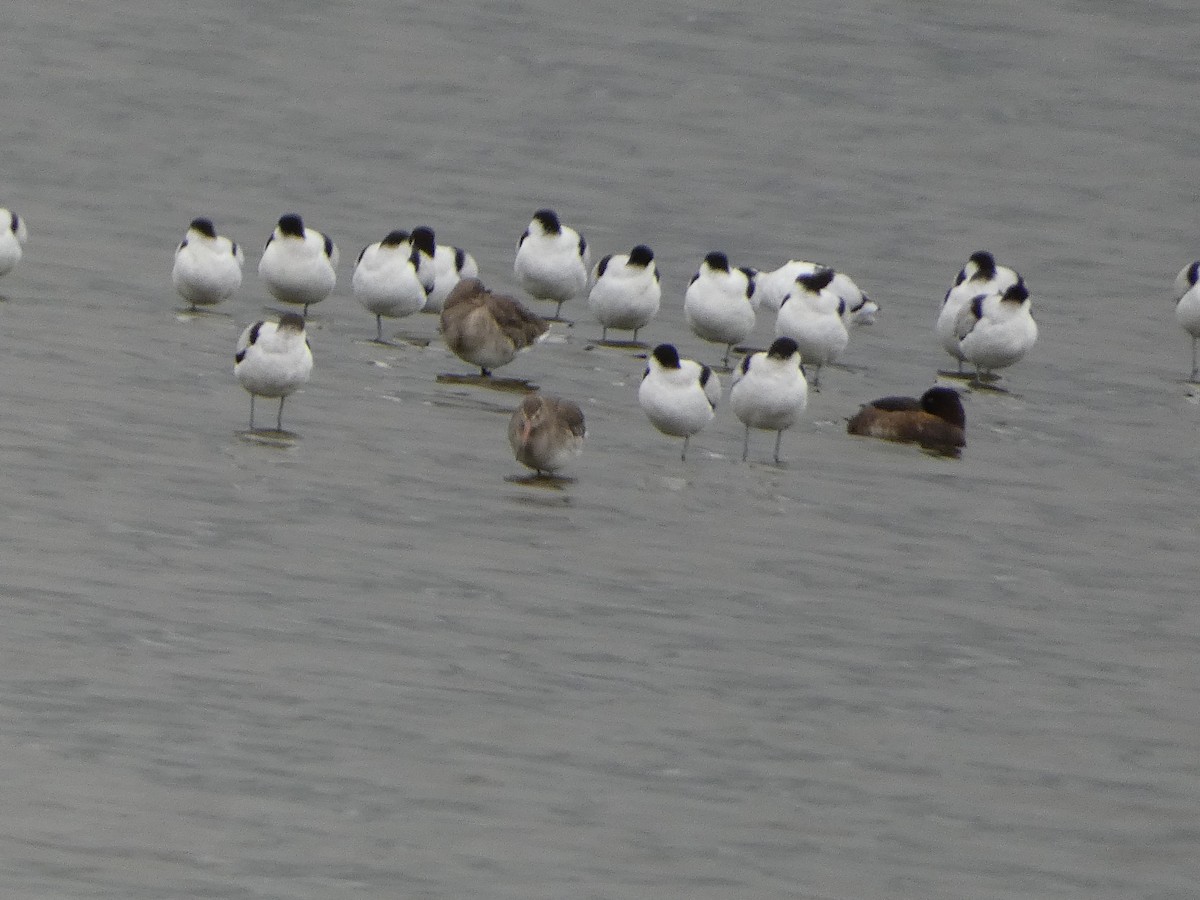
778,438
683,455
279,419
746,444
558,312
378,329
725,360
251,412
1195,370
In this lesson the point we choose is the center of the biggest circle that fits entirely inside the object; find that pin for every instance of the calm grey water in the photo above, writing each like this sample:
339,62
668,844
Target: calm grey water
368,665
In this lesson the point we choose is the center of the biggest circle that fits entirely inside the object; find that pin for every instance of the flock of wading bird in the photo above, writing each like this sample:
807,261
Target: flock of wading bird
985,320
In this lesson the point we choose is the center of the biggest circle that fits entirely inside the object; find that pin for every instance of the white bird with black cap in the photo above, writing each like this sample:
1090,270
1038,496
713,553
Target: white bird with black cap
446,267
997,330
769,391
626,291
679,396
385,279
298,264
812,316
273,359
208,266
980,275
1187,306
718,302
552,260
13,235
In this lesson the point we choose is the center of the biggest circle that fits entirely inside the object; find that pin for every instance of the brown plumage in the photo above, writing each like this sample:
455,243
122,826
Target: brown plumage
546,432
487,329
936,421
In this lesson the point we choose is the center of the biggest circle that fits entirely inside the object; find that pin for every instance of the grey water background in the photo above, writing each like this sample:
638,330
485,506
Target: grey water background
369,664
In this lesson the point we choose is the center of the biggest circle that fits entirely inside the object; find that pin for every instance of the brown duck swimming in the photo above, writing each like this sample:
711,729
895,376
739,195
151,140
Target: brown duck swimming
936,421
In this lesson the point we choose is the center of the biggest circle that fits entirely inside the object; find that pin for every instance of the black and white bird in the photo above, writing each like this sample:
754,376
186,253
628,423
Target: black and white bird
812,316
718,303
980,275
208,266
626,291
679,396
1187,307
552,260
13,235
273,359
997,330
771,288
769,391
385,279
446,266
299,264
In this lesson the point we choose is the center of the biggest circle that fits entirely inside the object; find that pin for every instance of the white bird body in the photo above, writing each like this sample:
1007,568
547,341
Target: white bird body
385,279
679,396
552,260
1187,306
13,235
770,288
208,266
981,275
447,267
860,309
997,330
298,264
769,391
811,315
626,291
718,303
273,359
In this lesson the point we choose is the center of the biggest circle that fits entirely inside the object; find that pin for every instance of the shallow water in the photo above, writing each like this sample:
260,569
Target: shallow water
367,663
